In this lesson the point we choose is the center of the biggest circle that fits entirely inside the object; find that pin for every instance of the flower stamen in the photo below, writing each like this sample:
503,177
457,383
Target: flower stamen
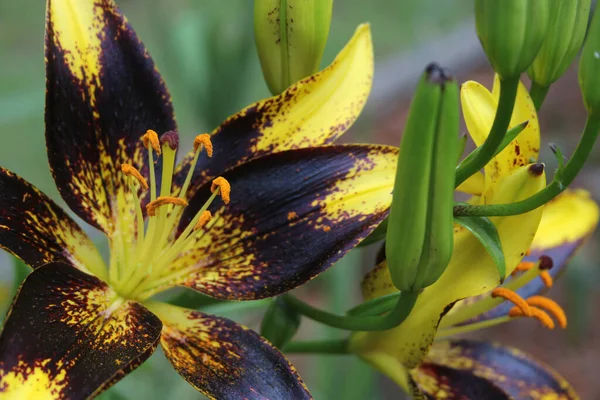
162,201
203,141
130,170
224,186
205,218
547,279
550,306
150,138
536,313
514,298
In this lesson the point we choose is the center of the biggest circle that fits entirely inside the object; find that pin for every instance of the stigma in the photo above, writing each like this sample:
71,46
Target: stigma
147,257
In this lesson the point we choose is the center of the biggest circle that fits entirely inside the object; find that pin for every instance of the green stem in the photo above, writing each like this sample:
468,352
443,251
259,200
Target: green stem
405,303
506,103
332,346
562,180
376,306
538,94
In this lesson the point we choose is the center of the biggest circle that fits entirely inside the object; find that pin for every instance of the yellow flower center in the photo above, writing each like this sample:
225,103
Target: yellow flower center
138,269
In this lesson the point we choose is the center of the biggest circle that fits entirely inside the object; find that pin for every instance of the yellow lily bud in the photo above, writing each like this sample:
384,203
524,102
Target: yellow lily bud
290,38
511,32
589,67
568,23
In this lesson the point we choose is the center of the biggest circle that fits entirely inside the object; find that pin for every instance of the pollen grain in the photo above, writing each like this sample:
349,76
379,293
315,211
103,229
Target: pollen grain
202,141
550,306
151,138
130,170
514,298
164,200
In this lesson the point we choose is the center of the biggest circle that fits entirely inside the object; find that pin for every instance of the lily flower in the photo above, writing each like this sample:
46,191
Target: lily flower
470,295
289,209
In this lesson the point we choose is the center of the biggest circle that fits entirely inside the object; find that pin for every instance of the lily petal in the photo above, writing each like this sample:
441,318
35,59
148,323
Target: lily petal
292,215
67,335
479,108
225,360
35,229
567,222
468,369
475,185
471,272
102,93
312,112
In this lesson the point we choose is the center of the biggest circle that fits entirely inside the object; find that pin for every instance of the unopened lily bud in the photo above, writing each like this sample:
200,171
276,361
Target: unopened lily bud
280,323
290,38
568,23
419,238
511,32
589,67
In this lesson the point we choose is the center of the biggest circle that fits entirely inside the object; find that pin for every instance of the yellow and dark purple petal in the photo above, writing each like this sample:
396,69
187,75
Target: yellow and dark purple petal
292,215
35,229
468,369
567,222
102,93
225,360
68,336
311,112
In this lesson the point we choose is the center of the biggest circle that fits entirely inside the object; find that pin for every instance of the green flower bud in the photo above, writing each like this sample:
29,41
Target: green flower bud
419,238
280,323
589,67
568,23
290,38
511,32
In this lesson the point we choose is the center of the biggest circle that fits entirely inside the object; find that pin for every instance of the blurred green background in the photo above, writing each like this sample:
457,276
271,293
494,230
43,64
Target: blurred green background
205,51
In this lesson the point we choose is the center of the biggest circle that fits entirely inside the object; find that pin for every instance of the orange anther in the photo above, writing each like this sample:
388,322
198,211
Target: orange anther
224,186
528,252
164,200
514,298
130,170
205,218
536,313
525,266
292,216
547,279
202,141
551,306
151,138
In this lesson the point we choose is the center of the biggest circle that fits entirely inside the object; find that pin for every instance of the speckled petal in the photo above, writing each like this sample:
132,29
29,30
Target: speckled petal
471,272
225,360
311,112
35,229
102,93
567,221
467,369
292,215
69,336
479,108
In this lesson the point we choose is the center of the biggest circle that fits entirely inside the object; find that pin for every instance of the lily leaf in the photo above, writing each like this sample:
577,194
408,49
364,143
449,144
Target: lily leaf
484,230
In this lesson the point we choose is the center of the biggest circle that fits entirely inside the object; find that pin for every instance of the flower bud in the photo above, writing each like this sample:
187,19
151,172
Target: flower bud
419,238
511,32
568,22
290,38
589,67
280,323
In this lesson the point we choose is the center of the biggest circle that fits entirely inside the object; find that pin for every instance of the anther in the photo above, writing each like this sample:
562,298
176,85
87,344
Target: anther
205,218
536,313
151,138
547,279
130,170
224,186
202,141
171,139
514,298
551,306
164,200
525,266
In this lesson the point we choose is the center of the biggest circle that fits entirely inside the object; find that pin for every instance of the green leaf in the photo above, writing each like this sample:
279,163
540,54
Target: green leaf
484,230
